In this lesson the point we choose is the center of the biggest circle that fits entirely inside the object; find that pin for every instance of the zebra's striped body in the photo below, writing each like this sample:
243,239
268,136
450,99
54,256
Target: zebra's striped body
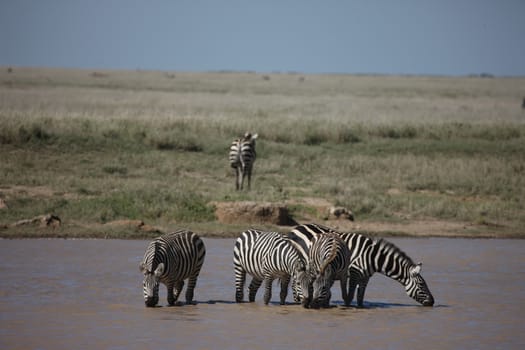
266,256
242,157
369,256
328,260
170,259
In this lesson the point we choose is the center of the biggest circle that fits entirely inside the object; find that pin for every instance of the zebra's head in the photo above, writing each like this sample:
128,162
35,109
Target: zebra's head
417,288
150,284
322,273
250,137
302,281
322,281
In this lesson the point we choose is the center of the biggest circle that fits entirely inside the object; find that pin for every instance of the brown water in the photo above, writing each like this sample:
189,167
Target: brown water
86,294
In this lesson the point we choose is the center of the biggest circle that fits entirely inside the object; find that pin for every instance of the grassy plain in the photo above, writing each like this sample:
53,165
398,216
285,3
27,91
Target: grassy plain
94,147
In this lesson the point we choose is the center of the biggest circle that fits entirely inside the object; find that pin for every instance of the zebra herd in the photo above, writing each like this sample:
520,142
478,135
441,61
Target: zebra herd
310,256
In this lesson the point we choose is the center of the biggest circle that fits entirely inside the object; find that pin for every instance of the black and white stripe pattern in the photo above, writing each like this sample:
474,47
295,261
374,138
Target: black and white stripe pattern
170,259
266,256
384,257
328,260
369,256
242,157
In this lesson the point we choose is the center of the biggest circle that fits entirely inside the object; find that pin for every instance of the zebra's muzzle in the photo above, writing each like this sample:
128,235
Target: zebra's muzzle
151,301
428,302
317,304
305,302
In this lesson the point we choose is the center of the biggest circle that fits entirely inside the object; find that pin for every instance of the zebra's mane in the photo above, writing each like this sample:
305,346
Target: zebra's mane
333,251
386,246
150,259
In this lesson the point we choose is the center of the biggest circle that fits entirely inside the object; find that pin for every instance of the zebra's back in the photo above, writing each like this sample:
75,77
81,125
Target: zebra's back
170,259
254,247
266,256
304,236
183,251
248,152
235,153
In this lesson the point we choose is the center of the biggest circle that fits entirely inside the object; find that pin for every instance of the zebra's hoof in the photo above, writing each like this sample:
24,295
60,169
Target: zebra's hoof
176,303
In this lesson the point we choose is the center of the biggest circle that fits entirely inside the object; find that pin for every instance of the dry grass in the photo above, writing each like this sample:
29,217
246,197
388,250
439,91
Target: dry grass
153,145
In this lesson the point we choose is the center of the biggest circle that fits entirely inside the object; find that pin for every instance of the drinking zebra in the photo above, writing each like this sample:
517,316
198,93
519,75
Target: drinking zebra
328,260
170,259
367,257
267,256
242,157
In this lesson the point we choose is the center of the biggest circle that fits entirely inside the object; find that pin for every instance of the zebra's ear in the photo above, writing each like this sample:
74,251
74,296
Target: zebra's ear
254,136
159,270
416,269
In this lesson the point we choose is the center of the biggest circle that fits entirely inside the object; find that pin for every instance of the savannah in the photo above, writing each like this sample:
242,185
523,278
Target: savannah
130,154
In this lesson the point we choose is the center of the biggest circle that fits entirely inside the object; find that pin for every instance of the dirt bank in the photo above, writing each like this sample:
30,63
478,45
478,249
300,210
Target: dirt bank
234,217
414,228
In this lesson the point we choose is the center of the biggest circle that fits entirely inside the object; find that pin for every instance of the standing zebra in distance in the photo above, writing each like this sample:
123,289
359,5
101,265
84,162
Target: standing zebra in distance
170,259
328,260
242,157
266,256
369,256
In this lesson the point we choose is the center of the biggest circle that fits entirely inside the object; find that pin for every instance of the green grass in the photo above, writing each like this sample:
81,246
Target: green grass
153,146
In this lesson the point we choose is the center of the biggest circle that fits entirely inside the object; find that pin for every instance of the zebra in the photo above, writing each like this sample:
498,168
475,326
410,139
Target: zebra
328,260
242,157
170,259
267,256
369,256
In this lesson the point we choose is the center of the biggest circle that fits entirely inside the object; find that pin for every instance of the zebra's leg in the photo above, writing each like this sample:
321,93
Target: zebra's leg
326,303
192,282
344,290
241,176
361,291
267,289
240,279
238,178
171,297
352,284
177,289
295,291
253,288
249,175
285,281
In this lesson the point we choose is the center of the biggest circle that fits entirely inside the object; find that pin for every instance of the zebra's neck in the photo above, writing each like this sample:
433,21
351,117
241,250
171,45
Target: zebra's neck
156,255
384,257
293,260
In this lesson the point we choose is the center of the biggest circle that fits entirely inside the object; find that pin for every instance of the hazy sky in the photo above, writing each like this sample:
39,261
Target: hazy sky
445,37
